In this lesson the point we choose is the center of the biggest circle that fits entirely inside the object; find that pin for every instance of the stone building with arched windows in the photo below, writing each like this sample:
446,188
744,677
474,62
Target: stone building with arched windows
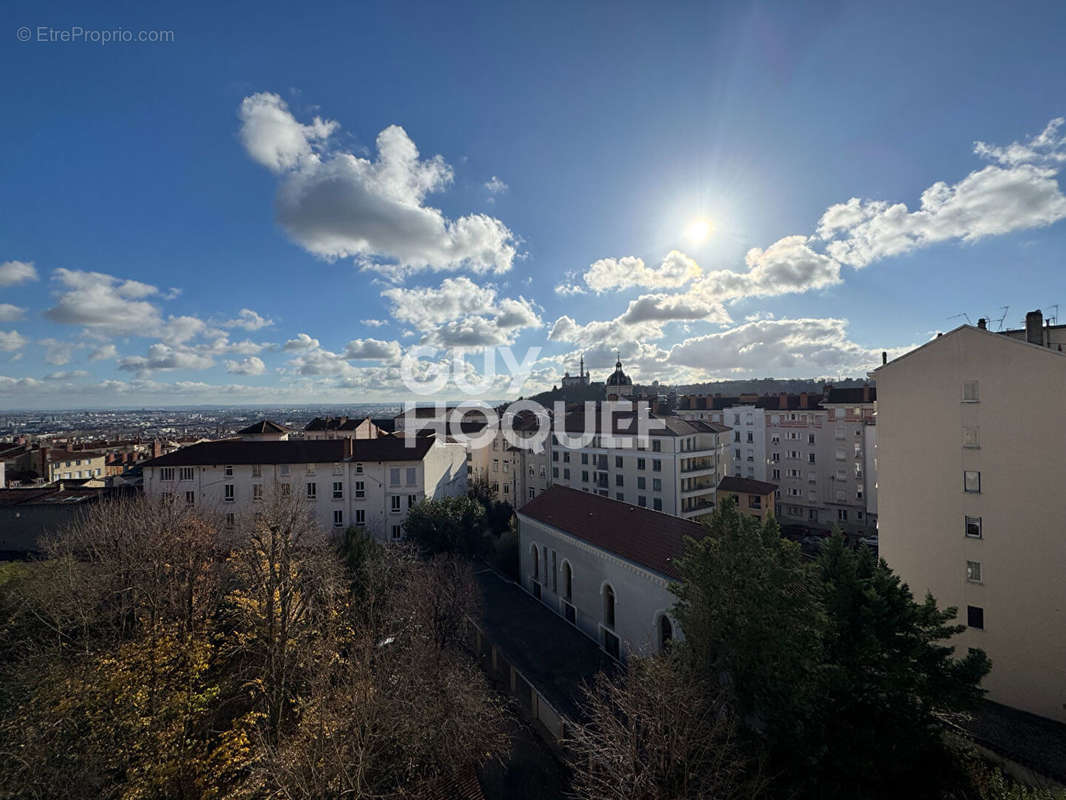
604,566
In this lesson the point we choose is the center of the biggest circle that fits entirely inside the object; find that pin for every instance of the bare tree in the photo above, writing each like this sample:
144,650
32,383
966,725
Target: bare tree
656,732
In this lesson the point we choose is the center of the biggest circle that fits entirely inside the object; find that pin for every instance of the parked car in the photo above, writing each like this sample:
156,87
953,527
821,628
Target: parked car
869,541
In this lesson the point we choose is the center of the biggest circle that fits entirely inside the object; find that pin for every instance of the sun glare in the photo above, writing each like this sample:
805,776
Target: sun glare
698,230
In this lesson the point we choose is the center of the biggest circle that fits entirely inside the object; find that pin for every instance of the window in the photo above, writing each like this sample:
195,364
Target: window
566,458
360,490
736,436
656,484
975,617
608,606
973,527
257,492
536,563
642,501
166,474
231,520
555,472
641,463
969,392
397,532
619,480
810,438
666,633
283,469
338,490
394,476
555,455
359,468
618,462
412,476
750,437
970,438
656,465
360,517
566,474
312,491
642,482
190,498
620,496
971,481
338,518
568,581
842,515
657,503
555,572
229,493
228,471
412,499
532,493
286,489
338,469
395,503
257,470
657,446
810,458
310,469
186,473
584,458
973,571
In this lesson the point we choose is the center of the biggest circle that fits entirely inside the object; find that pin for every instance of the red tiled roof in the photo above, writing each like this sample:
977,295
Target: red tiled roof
649,538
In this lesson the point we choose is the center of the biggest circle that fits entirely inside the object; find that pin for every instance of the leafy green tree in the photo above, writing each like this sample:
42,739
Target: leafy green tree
753,623
449,525
888,670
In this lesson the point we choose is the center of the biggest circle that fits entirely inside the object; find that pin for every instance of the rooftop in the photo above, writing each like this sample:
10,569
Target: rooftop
237,451
263,426
651,539
733,483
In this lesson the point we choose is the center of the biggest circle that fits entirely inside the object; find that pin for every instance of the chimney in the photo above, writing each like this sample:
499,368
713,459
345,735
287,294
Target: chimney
1034,327
866,394
884,357
803,399
348,449
782,402
982,323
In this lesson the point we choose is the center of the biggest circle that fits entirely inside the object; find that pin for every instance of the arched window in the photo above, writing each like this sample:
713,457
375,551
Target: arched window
608,606
666,632
536,563
568,582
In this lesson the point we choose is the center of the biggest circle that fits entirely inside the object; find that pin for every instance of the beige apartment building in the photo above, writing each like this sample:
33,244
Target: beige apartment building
972,471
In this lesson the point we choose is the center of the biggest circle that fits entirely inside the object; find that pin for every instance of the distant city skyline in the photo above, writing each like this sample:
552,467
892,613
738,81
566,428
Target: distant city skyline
276,209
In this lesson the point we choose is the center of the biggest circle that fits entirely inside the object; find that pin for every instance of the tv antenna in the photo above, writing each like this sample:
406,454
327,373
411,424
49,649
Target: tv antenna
1052,319
962,314
999,322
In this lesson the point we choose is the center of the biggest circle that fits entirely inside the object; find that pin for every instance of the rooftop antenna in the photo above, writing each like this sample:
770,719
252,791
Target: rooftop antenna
962,314
1052,319
999,322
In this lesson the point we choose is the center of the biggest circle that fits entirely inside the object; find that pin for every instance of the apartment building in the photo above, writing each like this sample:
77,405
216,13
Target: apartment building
368,483
813,446
971,468
604,566
339,428
754,498
676,470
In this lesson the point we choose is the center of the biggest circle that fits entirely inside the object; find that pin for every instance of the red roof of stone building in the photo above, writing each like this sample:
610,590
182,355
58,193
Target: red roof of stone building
651,539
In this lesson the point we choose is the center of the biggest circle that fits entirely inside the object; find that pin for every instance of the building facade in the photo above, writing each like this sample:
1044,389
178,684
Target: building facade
754,498
971,468
604,566
368,483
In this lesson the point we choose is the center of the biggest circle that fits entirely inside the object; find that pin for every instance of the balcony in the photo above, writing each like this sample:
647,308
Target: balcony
697,486
696,466
697,507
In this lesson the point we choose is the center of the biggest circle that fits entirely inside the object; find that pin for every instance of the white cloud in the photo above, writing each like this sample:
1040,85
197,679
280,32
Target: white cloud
104,303
165,357
66,375
460,313
249,320
57,352
494,186
10,313
246,366
336,204
990,202
1047,147
13,272
10,341
103,352
614,274
301,342
372,350
374,323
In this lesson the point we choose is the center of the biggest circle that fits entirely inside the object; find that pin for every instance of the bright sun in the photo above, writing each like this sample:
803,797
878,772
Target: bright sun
698,230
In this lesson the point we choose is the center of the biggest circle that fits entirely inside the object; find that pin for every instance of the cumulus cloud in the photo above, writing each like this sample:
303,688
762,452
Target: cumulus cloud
104,352
14,272
165,357
1047,147
301,342
372,350
246,366
66,375
462,313
336,204
614,274
494,186
10,313
103,303
374,323
249,320
10,341
57,351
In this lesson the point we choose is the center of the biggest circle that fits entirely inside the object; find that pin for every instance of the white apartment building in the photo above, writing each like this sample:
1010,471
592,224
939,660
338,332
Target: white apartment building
603,566
971,458
368,483
676,471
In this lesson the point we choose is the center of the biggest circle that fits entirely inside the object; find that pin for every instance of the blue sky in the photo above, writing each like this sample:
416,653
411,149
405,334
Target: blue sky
264,160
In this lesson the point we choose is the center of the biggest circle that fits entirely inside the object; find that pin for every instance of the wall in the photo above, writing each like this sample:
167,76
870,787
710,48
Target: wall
922,505
641,596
